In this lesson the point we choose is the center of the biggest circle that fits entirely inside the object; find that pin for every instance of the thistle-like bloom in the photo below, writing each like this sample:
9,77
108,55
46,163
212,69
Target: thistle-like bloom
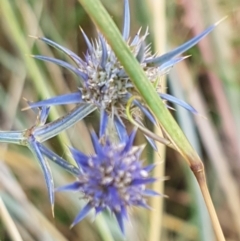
103,81
113,178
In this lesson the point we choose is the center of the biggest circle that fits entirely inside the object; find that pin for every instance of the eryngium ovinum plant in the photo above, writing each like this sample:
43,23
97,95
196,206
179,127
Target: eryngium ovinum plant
113,178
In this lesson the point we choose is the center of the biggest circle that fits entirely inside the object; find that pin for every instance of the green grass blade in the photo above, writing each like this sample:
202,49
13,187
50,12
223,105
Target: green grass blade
106,25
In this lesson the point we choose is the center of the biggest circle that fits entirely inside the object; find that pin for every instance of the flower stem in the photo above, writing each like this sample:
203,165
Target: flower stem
59,160
14,137
52,129
198,170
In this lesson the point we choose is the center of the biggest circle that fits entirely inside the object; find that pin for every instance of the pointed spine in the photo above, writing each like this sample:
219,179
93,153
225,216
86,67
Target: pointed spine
126,21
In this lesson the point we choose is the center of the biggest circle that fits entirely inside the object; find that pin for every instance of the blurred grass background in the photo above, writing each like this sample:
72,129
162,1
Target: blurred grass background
209,80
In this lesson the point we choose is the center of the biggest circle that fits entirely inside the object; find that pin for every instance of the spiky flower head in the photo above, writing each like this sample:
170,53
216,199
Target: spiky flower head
113,178
103,81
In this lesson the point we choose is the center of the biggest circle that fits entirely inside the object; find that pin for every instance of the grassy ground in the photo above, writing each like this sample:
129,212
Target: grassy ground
208,80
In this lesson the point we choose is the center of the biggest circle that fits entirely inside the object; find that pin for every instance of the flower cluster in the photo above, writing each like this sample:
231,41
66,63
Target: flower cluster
103,81
113,178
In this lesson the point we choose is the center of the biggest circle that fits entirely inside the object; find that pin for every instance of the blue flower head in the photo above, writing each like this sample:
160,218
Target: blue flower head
113,178
102,79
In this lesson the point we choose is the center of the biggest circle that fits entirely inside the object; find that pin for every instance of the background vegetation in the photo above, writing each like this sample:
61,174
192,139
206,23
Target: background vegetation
209,80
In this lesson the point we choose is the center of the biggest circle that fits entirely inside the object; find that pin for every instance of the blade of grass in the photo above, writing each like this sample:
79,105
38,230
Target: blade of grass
212,145
12,187
106,25
11,227
158,26
215,54
22,214
188,126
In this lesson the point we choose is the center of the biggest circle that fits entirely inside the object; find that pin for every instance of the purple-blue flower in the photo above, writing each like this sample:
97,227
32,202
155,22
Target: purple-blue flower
102,79
113,178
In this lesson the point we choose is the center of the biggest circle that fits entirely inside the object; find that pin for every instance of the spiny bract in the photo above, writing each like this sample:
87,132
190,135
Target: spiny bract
103,81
